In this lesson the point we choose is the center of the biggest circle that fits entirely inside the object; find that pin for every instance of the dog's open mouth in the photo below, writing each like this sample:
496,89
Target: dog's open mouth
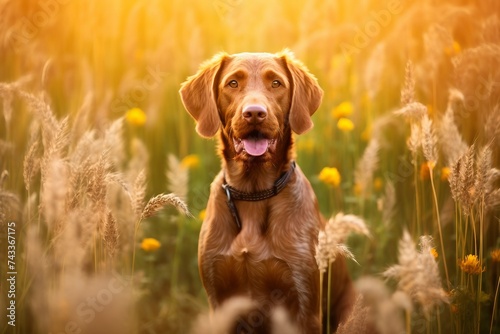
254,144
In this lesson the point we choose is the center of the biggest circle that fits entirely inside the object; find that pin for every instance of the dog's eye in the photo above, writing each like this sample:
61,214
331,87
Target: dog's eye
276,84
233,84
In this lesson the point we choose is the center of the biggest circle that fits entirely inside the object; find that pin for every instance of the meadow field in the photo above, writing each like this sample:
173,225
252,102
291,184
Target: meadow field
104,180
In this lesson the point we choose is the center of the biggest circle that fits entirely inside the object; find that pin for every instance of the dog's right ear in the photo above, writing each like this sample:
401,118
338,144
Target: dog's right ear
198,96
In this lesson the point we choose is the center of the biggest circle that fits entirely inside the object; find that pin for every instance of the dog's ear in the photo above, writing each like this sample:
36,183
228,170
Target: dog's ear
199,99
306,93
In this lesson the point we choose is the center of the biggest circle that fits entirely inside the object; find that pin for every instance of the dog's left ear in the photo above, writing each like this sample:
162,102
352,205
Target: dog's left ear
198,96
306,93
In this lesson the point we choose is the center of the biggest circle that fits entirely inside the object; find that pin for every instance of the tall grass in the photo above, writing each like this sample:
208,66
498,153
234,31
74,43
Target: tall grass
92,129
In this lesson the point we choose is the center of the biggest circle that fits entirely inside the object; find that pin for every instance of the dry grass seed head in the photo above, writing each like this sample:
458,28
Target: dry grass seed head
451,142
139,193
483,169
157,203
44,113
412,112
330,241
31,164
466,180
429,140
414,142
111,235
417,273
408,90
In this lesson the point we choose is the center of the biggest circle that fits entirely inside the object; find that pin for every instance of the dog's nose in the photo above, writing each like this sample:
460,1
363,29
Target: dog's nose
254,113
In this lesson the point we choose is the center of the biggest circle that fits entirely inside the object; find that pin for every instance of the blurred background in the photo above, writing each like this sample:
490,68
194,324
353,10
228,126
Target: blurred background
95,85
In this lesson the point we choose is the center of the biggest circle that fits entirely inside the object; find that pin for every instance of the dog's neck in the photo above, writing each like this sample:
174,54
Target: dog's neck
253,175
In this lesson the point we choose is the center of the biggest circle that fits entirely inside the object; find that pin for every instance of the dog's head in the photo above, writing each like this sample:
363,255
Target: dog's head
255,98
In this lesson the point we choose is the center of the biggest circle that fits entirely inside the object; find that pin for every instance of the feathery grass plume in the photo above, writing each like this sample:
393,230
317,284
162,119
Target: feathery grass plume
483,170
111,235
31,164
450,140
412,112
454,179
177,177
414,142
429,141
466,180
157,203
418,274
357,322
44,113
139,193
330,241
366,166
53,146
384,310
97,188
374,70
224,318
7,94
408,90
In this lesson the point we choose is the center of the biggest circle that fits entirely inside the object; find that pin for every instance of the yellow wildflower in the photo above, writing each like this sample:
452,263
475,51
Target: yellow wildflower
378,184
434,252
345,124
495,255
330,176
471,265
453,49
344,109
445,173
150,244
136,117
190,161
202,215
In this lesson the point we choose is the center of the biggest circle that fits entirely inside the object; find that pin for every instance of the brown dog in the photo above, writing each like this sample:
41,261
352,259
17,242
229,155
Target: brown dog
262,221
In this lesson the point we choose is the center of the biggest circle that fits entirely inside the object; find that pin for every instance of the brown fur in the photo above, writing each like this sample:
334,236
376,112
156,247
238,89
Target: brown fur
273,253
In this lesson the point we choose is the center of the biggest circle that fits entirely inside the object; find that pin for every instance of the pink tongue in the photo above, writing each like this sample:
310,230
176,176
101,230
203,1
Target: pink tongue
255,147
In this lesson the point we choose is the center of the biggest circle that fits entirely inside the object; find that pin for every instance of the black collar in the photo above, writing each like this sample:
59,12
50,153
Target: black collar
236,195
